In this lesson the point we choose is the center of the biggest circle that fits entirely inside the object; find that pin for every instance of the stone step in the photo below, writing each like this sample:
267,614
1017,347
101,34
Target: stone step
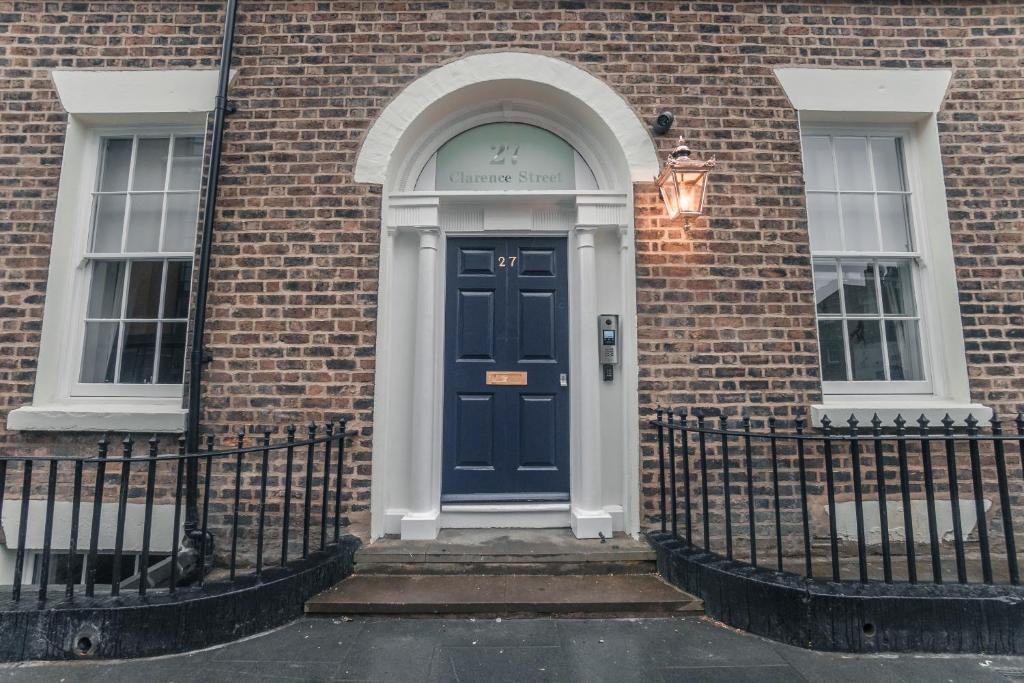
504,595
507,551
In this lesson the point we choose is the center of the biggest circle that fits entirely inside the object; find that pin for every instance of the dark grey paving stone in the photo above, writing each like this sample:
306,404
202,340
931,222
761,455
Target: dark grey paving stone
843,668
499,664
730,674
678,641
306,640
496,632
386,651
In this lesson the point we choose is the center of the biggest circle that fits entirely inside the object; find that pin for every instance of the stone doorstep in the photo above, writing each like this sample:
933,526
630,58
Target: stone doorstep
505,546
503,594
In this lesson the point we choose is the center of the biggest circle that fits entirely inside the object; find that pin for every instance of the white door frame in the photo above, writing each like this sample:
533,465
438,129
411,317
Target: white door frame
408,405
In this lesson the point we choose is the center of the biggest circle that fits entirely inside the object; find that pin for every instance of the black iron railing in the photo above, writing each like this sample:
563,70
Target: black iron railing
846,504
115,522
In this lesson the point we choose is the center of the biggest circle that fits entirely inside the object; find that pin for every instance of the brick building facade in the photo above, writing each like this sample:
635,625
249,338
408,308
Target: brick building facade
724,304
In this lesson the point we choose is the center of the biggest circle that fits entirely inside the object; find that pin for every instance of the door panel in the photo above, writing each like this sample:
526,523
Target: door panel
506,311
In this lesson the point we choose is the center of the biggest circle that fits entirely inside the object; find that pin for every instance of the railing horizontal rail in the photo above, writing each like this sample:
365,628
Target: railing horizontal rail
846,504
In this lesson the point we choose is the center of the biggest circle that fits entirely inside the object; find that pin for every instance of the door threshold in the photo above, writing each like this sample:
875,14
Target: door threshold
504,507
504,515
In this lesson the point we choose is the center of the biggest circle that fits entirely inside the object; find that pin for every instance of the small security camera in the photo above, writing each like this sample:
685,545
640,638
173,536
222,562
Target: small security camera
663,122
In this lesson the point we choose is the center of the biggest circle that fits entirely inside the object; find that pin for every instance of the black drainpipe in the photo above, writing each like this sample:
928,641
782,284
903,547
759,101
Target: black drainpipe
199,357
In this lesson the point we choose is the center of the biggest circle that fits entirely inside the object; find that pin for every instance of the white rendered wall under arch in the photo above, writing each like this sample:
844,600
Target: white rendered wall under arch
598,225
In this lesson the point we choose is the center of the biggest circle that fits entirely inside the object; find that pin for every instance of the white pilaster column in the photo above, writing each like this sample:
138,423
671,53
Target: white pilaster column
420,523
587,514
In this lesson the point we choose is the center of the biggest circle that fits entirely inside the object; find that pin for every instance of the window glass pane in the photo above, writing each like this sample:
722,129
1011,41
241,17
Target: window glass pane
117,159
188,155
866,350
897,288
892,210
139,353
859,226
172,354
182,222
852,163
833,354
144,222
108,224
818,169
150,164
885,155
904,345
179,279
100,352
859,287
823,222
144,289
826,287
106,289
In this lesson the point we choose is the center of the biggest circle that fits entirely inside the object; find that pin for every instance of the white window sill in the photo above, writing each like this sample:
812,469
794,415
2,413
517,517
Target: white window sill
100,416
839,409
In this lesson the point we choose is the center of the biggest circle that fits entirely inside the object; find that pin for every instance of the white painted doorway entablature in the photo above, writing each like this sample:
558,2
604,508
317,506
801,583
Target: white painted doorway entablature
595,214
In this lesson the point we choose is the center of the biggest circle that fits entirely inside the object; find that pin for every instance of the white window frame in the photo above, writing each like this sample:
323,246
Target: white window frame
94,155
911,99
918,238
95,101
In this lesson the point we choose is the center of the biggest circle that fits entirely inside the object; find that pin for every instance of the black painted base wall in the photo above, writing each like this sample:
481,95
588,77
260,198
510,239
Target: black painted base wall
847,617
134,626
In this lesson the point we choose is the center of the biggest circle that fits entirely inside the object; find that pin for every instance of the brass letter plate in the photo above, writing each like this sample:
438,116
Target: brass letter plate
510,379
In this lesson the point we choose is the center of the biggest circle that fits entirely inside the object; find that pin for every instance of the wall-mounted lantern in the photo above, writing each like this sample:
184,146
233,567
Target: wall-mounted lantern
683,182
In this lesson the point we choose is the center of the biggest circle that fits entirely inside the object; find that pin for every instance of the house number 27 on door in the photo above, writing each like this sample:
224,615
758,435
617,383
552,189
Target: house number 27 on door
506,261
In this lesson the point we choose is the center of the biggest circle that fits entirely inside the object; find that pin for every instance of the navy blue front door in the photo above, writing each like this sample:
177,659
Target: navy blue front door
506,403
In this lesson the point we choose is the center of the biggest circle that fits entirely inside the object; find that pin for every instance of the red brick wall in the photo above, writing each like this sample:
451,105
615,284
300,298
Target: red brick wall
726,313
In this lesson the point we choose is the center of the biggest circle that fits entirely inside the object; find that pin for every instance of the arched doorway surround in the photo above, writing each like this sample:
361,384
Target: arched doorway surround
594,216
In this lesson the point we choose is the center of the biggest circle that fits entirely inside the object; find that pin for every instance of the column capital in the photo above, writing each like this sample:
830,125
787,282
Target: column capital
420,212
601,210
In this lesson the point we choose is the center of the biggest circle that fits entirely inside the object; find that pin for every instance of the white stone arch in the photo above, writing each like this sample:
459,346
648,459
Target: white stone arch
427,100
598,225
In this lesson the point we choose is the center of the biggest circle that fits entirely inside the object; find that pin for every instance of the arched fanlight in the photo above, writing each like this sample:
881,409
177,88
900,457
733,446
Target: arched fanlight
683,182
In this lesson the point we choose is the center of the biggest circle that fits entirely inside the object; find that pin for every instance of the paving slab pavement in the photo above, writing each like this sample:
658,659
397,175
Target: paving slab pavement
499,650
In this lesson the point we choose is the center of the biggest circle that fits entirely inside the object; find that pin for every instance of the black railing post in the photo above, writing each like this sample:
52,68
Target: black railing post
290,450
328,438
147,523
264,465
76,508
751,520
805,517
883,503
858,498
1004,501
954,498
908,514
724,426
239,445
687,516
307,498
179,477
672,473
929,493
661,468
122,509
19,559
775,491
44,564
205,539
702,444
97,506
342,435
979,498
833,534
